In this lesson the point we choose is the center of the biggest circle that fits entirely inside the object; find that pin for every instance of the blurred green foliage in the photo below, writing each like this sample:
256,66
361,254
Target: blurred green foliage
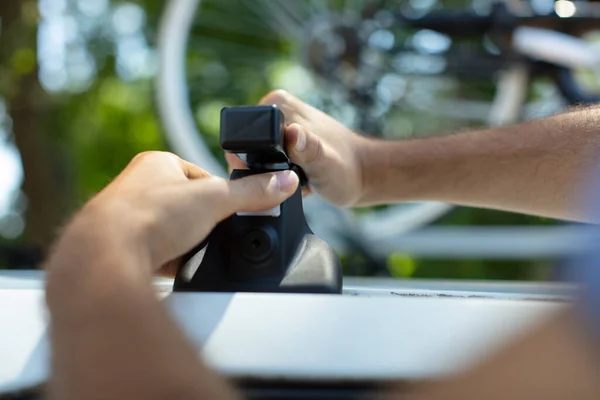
101,127
106,127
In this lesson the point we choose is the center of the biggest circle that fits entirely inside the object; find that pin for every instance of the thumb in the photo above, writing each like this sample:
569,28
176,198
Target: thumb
304,148
257,192
189,211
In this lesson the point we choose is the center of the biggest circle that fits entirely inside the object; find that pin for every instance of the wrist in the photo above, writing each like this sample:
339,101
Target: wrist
389,172
96,289
87,271
367,159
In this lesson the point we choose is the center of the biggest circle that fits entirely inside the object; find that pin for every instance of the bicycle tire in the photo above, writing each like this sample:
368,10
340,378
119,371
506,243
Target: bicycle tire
328,222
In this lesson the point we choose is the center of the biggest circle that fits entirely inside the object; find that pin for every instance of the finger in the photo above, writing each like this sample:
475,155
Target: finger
304,148
250,194
234,162
192,171
151,167
278,97
291,106
163,166
264,191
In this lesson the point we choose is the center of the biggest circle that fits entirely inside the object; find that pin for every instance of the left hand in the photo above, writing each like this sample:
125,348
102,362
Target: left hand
159,208
331,155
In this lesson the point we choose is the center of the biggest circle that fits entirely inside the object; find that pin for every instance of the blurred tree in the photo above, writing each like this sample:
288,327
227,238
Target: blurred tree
47,181
82,106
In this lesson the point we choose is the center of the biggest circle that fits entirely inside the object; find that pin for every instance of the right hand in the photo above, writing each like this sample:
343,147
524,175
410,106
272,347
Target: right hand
328,152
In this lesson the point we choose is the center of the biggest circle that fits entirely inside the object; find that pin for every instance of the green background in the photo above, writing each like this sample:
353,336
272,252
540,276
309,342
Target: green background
74,140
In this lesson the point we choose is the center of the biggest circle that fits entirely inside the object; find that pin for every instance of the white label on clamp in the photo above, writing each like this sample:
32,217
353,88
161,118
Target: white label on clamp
273,212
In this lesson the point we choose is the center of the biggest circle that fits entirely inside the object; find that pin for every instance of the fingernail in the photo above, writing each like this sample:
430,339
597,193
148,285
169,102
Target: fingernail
301,141
286,180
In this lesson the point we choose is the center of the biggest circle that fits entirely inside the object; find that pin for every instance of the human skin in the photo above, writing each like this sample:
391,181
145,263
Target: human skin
536,167
112,339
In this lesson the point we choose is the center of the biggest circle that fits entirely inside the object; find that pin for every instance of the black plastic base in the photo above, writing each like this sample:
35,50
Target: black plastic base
263,254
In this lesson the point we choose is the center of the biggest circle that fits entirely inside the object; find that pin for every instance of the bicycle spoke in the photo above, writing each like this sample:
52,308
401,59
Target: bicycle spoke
234,53
280,19
240,23
406,90
297,10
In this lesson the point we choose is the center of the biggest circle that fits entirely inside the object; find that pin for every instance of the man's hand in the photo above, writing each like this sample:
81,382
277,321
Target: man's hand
111,338
537,167
328,152
161,206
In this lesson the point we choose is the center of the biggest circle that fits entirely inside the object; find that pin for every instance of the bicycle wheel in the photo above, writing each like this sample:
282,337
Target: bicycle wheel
340,56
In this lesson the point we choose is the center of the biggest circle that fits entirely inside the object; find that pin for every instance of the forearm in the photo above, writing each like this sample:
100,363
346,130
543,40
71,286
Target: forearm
536,167
111,337
557,360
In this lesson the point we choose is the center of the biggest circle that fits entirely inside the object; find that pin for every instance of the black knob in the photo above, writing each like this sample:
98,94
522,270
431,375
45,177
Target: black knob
259,244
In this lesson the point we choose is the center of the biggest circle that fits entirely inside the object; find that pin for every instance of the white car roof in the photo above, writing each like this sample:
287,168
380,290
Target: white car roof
379,330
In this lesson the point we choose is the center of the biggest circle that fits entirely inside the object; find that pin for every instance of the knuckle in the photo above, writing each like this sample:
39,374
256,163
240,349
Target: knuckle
144,155
279,97
317,153
152,156
262,190
147,222
297,126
